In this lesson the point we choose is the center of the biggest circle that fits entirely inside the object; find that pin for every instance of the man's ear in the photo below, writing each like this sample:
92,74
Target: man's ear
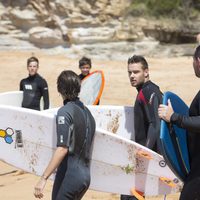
146,73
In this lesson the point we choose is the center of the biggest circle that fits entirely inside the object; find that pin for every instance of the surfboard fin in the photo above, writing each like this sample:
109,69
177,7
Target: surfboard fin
167,181
139,195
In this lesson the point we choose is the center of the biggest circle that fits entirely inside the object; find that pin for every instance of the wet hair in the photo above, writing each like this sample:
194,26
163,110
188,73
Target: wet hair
138,59
68,84
197,52
32,59
85,61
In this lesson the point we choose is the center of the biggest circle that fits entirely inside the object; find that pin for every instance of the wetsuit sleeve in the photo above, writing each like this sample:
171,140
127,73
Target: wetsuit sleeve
21,86
188,123
45,94
64,128
151,112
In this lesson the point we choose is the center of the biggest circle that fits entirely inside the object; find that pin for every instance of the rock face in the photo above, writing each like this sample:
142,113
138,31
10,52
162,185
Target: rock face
74,24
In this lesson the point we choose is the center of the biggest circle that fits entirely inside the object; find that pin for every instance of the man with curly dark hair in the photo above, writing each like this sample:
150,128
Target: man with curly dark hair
75,131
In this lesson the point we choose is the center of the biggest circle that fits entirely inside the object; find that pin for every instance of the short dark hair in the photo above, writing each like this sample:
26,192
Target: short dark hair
32,59
197,52
85,61
138,59
68,84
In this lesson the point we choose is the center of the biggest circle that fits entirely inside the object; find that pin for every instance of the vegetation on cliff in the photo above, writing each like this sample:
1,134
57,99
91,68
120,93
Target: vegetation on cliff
189,9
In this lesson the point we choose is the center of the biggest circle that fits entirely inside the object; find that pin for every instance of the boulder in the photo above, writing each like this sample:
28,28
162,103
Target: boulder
92,35
45,37
23,19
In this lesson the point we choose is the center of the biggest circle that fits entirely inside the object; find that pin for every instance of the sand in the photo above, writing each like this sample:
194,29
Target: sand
174,74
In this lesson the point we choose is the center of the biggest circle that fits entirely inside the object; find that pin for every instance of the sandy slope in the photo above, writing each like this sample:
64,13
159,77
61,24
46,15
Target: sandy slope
175,74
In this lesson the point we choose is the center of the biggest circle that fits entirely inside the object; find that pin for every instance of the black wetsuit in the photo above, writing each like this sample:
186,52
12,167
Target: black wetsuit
146,120
81,76
34,87
75,131
191,189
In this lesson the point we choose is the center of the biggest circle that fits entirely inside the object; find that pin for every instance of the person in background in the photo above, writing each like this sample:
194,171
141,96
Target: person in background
34,87
75,131
85,66
191,123
146,119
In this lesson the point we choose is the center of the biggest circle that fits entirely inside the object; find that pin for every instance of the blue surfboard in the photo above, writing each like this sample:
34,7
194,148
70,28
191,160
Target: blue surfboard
174,139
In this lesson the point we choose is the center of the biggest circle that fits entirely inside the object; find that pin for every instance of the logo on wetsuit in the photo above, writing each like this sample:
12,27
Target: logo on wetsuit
61,120
28,87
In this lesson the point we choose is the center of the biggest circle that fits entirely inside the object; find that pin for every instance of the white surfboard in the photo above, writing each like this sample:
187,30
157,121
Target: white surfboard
118,120
14,98
92,88
27,141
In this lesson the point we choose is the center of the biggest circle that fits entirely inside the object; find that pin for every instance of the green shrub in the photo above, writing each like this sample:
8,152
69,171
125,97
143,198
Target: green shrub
165,8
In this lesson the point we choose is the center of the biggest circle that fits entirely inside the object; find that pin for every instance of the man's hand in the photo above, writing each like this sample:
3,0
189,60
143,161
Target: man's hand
38,190
165,112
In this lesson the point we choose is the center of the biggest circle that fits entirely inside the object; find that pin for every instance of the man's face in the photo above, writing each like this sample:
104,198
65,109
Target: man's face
85,69
32,68
196,66
137,74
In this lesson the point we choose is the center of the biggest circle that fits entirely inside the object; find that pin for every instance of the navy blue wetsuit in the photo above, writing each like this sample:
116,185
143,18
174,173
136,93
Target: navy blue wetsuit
191,189
34,87
146,120
75,131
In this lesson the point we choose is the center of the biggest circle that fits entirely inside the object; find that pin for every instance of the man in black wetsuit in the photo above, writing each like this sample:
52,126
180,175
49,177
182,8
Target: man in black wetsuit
191,188
34,87
146,120
75,131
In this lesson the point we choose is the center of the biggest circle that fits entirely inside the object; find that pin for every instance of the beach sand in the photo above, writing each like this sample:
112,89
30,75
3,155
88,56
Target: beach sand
174,74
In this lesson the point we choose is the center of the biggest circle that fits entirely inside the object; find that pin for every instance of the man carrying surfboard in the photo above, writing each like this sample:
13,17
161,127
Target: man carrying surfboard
146,120
75,131
85,66
192,124
34,87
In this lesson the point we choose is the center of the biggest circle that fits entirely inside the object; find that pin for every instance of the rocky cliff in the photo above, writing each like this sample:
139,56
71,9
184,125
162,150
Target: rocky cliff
89,27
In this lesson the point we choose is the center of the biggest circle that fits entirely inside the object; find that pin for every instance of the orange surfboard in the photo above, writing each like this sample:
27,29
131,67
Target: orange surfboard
92,87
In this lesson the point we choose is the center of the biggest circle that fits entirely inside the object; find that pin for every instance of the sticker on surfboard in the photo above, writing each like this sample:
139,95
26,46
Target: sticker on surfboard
92,88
